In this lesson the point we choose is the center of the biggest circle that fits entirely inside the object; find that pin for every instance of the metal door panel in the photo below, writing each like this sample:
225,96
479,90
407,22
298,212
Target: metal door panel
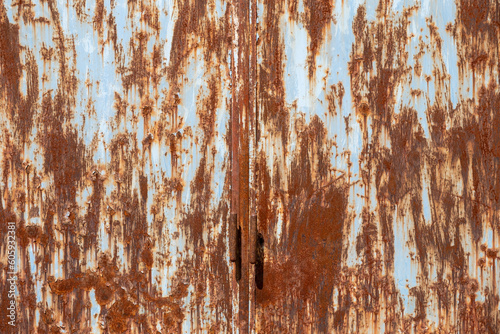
115,162
378,167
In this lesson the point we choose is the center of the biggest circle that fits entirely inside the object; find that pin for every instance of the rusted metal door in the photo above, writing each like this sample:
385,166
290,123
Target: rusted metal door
189,166
378,166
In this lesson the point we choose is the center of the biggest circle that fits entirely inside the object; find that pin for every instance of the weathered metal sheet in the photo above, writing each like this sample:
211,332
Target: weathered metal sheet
344,154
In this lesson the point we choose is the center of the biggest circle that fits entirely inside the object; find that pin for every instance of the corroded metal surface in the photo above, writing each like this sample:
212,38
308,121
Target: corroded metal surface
140,140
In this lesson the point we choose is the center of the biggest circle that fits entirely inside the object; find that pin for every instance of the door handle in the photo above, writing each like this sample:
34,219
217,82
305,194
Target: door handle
259,262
